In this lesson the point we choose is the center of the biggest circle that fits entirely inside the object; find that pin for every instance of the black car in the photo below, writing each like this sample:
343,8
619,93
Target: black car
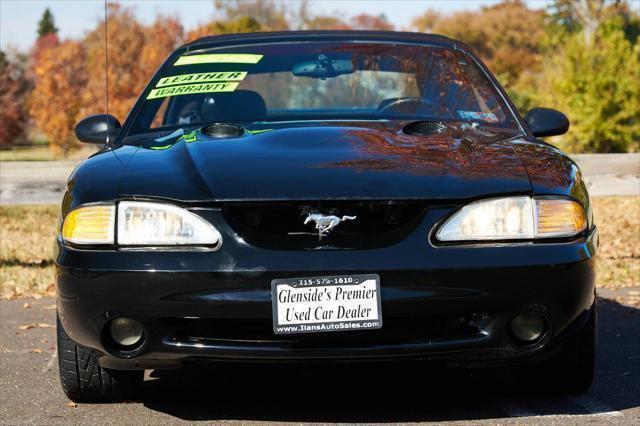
335,196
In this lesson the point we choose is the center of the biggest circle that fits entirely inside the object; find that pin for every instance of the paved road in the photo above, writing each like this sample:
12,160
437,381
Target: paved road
610,174
30,392
43,182
33,182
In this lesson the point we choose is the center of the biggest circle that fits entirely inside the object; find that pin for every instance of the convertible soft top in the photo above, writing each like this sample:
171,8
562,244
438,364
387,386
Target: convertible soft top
322,35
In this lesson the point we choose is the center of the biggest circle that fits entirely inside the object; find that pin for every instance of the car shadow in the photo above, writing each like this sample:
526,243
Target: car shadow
384,392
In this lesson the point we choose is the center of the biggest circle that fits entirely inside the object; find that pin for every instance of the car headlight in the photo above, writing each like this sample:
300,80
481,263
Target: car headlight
93,224
514,218
142,223
138,224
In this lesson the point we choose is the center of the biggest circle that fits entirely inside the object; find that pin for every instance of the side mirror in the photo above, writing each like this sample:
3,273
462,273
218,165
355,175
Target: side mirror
99,128
547,122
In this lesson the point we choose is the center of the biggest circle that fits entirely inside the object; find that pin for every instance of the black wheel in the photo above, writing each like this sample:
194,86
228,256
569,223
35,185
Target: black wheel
82,378
571,370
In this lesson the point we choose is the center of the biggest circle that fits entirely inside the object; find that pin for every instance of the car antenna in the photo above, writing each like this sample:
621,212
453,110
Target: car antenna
106,61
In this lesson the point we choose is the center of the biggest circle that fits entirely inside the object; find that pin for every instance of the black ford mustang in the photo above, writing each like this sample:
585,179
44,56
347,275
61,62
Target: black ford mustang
324,196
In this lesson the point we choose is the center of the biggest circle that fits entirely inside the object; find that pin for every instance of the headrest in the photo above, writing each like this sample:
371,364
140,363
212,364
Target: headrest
238,106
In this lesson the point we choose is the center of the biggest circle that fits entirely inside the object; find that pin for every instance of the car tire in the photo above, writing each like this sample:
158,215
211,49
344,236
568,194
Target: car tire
571,370
82,378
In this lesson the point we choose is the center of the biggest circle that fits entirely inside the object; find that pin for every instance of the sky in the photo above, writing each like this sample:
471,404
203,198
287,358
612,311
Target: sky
19,18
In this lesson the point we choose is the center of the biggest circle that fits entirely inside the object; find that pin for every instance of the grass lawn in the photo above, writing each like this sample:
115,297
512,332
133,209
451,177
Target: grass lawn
26,250
27,238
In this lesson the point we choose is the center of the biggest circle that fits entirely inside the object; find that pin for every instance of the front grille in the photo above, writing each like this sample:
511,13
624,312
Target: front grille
367,224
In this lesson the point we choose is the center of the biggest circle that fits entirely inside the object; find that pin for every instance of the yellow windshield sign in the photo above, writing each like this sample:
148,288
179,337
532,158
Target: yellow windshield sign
188,89
219,58
203,77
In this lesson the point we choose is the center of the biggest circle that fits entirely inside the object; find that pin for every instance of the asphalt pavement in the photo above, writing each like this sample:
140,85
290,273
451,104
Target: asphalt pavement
247,393
43,182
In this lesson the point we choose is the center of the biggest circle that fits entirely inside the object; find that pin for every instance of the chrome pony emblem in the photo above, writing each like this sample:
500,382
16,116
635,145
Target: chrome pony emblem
324,224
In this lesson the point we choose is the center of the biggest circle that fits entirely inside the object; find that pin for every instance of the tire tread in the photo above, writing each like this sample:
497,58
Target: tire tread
82,378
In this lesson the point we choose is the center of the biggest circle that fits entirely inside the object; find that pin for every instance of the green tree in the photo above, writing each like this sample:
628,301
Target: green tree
595,82
270,15
46,24
566,17
243,17
241,24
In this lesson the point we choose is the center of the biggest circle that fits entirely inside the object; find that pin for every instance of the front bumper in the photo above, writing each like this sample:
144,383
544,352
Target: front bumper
450,302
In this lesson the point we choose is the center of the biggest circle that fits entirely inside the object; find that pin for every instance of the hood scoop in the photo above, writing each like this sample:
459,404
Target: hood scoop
223,130
426,128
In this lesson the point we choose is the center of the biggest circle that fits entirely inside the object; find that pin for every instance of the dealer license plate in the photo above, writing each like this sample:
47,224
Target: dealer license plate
323,304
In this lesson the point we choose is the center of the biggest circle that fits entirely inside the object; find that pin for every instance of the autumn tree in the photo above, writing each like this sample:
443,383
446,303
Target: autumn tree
54,104
161,38
42,44
325,22
134,52
306,20
200,31
13,89
17,82
124,44
365,21
426,22
507,35
71,77
47,39
241,16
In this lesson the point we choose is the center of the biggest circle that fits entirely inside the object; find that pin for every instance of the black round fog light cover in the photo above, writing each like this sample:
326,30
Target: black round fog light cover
126,331
528,327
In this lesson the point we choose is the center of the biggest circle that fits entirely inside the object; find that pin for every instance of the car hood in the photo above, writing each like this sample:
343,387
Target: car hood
312,161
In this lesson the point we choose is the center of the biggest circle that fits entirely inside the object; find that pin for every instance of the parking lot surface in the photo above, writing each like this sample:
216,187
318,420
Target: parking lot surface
30,391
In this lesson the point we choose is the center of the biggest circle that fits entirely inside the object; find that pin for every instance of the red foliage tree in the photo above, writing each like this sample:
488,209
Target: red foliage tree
364,21
13,89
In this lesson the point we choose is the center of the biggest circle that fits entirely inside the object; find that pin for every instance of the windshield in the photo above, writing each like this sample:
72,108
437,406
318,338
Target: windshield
320,81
